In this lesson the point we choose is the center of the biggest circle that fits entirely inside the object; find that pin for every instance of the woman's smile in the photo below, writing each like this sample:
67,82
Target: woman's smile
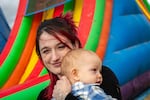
56,64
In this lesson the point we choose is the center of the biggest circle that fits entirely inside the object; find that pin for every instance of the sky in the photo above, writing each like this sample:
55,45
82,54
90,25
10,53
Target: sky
9,8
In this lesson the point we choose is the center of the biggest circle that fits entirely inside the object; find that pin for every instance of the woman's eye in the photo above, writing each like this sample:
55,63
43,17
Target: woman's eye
45,51
61,46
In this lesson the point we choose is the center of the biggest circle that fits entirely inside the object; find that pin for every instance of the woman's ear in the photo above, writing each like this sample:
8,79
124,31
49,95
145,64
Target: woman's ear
75,75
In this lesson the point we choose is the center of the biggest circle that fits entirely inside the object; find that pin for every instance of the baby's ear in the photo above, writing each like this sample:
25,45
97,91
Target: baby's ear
75,75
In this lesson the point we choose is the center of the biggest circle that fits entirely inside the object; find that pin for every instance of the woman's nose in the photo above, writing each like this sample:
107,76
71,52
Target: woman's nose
54,56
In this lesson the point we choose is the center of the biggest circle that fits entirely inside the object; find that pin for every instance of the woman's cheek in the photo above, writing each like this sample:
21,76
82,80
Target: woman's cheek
46,59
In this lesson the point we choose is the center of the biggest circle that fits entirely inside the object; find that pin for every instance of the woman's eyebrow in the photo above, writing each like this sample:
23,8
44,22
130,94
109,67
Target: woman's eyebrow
43,48
59,43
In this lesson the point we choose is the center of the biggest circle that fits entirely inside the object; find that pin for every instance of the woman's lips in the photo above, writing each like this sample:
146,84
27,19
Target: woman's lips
56,64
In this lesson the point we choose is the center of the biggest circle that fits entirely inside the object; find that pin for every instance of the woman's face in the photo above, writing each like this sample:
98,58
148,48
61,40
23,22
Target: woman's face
52,51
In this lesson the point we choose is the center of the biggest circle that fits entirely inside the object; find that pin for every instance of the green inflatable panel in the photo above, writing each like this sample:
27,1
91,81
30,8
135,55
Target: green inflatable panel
12,59
93,38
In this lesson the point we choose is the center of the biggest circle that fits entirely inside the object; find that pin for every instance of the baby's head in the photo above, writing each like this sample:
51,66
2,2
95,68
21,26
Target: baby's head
82,65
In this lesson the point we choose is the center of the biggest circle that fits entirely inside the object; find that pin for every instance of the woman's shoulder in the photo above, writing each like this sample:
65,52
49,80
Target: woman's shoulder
41,94
109,74
110,83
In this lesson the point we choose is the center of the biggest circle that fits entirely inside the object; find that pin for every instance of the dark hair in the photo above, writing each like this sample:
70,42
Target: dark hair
65,26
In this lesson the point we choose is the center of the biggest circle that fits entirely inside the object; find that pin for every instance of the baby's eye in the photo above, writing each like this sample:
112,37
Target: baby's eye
94,69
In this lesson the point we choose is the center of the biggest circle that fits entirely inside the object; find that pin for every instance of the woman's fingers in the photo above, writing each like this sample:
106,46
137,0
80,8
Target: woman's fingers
62,88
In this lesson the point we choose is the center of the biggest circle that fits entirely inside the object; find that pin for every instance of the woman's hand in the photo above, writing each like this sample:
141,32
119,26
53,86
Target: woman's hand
62,88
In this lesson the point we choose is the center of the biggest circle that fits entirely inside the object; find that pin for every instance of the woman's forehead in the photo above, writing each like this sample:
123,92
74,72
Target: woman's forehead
46,36
47,40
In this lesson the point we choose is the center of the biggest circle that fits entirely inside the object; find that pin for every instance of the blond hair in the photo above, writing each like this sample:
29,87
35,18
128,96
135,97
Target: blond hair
73,58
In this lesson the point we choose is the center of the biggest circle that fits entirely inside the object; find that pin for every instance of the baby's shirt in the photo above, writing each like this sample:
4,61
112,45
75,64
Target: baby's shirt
89,92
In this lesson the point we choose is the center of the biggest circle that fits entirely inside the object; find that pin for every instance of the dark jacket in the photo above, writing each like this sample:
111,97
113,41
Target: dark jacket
110,85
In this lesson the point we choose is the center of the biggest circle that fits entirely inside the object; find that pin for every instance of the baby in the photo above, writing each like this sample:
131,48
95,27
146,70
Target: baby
82,68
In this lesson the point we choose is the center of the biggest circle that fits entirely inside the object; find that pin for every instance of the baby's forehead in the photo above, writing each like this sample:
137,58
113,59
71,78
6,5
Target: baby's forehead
89,54
83,54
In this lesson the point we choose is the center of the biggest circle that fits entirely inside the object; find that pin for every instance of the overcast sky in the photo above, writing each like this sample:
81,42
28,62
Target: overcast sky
9,8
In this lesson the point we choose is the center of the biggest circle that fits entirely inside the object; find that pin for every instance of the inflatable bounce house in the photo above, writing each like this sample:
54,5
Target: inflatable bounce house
4,30
117,30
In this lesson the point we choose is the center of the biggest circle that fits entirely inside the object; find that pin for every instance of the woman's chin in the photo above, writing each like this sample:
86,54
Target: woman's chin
58,71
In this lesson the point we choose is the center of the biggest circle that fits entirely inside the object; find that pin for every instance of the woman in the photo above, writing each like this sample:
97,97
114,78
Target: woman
56,37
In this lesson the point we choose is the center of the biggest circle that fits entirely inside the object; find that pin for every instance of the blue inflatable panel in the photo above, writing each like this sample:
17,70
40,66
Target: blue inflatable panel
4,30
128,49
144,95
125,7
